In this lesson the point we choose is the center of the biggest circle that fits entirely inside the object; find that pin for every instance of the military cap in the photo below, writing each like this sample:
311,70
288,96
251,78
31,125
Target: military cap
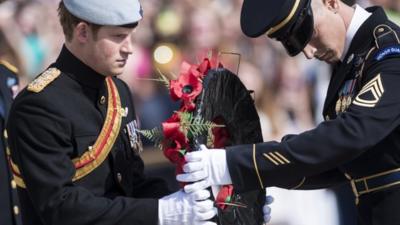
106,12
289,21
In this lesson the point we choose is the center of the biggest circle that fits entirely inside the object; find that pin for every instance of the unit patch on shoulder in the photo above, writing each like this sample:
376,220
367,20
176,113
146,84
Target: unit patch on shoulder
371,93
388,51
44,79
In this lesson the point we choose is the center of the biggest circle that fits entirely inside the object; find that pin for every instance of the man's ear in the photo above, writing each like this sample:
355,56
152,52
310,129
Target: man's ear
81,32
332,5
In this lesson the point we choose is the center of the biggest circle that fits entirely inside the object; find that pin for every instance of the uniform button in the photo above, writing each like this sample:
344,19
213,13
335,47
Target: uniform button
119,177
102,100
327,118
380,30
5,134
16,210
13,184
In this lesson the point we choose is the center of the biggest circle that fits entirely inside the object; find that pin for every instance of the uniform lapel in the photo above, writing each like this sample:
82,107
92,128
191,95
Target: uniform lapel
338,76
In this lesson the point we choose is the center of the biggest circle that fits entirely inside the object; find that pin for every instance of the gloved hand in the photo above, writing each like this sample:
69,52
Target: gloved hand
181,208
266,209
205,168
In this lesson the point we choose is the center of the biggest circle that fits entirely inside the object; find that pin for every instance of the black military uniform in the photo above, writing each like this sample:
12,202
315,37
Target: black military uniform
75,151
358,143
9,209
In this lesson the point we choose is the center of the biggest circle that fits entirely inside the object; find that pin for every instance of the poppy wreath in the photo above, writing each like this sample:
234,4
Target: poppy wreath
178,131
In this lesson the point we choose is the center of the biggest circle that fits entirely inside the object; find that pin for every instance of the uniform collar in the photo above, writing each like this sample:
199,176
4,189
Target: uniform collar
359,17
364,35
77,70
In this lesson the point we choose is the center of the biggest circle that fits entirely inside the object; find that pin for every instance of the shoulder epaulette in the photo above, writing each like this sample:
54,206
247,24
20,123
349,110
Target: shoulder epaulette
44,79
385,35
9,66
387,42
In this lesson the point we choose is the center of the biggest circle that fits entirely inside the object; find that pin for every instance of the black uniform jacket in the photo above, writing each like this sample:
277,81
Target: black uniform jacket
51,128
361,134
8,193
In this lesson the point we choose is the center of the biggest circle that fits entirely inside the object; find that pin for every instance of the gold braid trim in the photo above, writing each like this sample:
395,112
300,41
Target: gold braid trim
256,167
96,155
285,21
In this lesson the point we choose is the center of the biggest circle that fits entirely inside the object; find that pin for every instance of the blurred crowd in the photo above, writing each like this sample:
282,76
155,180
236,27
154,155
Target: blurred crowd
288,92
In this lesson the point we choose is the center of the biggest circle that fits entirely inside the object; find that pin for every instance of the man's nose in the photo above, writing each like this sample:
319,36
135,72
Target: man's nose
309,51
128,46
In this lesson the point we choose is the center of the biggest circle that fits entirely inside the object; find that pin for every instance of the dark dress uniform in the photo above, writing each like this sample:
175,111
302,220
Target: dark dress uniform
358,143
74,150
9,211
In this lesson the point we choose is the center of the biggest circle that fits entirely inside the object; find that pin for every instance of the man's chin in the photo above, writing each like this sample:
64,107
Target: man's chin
116,72
330,59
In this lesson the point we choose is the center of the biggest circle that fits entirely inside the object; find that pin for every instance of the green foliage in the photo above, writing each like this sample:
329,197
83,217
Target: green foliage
190,125
155,135
195,126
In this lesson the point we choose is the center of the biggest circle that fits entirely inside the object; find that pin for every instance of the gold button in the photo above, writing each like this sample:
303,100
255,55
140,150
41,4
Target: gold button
5,134
102,100
13,184
16,210
119,177
380,30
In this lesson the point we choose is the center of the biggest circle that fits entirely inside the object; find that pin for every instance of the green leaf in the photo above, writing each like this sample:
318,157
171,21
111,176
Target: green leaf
228,199
182,151
154,135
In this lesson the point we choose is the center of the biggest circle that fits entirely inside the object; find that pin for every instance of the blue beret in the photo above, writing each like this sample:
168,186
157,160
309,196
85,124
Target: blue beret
106,12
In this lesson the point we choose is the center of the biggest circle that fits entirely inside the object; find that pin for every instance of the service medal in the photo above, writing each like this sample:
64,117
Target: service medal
338,104
348,101
344,102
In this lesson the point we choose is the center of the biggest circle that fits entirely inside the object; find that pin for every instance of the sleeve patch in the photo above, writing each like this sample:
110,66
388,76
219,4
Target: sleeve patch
388,51
371,93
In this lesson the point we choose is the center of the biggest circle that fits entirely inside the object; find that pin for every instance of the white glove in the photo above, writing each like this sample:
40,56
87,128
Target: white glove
205,168
180,208
266,209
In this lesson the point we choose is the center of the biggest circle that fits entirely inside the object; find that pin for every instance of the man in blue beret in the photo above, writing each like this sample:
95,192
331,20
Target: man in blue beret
73,141
358,143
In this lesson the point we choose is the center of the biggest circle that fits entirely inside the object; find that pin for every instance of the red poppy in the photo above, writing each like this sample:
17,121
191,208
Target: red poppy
187,68
204,66
171,127
224,196
174,139
174,152
187,88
